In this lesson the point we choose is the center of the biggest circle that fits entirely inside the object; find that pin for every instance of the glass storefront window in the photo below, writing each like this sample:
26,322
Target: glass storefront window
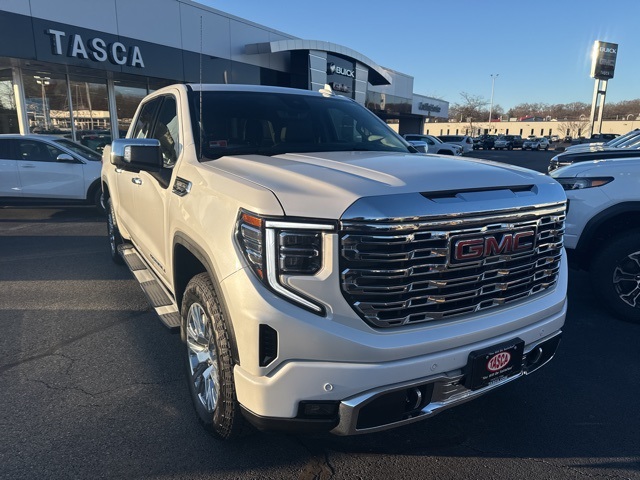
91,113
47,103
128,98
8,112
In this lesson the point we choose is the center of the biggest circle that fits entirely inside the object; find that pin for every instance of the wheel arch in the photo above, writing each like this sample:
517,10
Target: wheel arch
189,259
95,185
610,222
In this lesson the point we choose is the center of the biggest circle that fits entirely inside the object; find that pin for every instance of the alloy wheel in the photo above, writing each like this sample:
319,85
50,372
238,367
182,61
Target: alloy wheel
626,279
203,357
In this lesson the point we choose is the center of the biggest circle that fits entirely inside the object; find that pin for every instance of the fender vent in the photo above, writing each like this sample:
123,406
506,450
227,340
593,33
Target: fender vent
268,350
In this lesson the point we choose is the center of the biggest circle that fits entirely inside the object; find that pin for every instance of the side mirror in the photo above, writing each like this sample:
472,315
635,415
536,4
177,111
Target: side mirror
65,158
136,154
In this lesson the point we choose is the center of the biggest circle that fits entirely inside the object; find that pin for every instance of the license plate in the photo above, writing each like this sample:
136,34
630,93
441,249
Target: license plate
494,364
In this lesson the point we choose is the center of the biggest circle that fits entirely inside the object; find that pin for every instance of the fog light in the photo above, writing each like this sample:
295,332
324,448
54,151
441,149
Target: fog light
318,409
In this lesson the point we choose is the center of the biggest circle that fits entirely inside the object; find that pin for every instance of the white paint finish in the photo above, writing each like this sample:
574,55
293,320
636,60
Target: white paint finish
99,15
215,31
155,21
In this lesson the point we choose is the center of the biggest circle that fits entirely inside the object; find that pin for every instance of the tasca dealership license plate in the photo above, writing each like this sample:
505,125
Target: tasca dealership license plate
494,364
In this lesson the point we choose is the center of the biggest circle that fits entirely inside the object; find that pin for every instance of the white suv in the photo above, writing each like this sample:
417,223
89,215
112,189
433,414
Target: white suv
46,167
603,228
433,144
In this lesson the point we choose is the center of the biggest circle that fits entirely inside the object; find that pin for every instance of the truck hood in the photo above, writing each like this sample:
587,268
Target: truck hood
324,185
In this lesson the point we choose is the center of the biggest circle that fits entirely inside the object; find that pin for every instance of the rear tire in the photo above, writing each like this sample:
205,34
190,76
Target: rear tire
615,275
115,239
209,363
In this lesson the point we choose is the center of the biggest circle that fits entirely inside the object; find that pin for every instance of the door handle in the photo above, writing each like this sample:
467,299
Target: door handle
136,180
28,166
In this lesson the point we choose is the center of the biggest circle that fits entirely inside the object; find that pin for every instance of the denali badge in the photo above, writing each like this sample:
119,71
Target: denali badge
470,249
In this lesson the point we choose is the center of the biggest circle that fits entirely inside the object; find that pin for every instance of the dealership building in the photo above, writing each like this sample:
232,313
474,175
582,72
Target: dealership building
77,67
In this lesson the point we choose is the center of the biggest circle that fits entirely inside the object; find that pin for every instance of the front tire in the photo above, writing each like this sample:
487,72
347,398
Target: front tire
95,198
615,275
209,362
115,239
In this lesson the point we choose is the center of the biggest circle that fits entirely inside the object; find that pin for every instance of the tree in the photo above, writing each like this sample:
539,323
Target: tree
471,109
574,128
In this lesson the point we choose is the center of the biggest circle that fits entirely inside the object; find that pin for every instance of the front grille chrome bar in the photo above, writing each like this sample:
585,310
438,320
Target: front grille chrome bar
396,273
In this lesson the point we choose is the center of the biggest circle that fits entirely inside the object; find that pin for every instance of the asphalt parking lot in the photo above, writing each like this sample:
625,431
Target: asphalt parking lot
91,385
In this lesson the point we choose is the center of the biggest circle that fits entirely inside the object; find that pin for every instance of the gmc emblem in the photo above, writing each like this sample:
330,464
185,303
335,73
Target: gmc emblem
473,249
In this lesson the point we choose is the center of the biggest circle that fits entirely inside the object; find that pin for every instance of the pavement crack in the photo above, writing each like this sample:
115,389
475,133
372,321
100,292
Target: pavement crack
318,467
53,350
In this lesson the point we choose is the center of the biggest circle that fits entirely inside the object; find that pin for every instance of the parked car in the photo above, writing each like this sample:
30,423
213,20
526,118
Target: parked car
508,142
434,144
486,142
596,138
602,229
621,141
47,167
567,158
465,141
420,146
541,143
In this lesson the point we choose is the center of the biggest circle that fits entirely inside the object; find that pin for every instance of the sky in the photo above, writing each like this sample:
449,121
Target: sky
541,51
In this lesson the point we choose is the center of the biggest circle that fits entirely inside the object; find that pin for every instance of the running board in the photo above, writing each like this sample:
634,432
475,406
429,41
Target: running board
157,295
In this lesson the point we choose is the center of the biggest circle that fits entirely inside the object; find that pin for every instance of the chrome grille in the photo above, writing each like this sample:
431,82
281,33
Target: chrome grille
399,272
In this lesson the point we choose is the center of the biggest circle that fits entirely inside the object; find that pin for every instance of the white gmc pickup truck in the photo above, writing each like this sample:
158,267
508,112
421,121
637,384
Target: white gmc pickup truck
324,275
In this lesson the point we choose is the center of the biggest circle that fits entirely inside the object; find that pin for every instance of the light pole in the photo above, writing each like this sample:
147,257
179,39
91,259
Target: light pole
493,83
42,81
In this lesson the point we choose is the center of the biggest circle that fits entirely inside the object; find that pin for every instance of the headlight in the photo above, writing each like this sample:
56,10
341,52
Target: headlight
583,182
276,248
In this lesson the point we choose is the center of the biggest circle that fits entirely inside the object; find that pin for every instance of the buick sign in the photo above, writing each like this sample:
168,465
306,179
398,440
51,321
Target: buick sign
603,61
333,69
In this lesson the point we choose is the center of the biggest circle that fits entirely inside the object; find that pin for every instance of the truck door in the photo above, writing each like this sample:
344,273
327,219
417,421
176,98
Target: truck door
128,181
153,189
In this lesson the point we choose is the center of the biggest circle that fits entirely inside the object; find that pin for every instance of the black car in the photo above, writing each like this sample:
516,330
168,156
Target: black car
567,158
508,142
485,142
595,138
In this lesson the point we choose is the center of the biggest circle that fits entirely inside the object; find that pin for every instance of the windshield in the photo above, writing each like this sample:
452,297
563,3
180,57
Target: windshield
265,123
79,149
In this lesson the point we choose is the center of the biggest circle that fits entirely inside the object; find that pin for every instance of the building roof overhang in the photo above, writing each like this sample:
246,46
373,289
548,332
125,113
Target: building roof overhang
377,75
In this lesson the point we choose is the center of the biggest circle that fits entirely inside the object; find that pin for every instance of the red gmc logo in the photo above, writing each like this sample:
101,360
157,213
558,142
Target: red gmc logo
474,249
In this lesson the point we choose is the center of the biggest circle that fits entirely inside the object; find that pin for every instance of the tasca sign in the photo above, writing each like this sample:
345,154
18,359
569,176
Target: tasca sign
603,60
95,49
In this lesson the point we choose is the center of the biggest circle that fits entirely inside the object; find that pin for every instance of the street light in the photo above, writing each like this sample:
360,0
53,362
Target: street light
493,82
42,81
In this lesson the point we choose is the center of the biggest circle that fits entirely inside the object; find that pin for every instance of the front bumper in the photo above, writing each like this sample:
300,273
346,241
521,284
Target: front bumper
340,360
401,404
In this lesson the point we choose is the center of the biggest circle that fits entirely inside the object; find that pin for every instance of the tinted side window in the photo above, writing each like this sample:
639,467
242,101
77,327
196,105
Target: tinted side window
144,122
167,131
32,150
5,150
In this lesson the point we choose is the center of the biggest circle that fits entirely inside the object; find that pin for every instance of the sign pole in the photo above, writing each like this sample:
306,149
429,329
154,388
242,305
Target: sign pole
594,104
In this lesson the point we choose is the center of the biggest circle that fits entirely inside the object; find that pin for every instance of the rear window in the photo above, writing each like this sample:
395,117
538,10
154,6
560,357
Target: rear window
451,138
